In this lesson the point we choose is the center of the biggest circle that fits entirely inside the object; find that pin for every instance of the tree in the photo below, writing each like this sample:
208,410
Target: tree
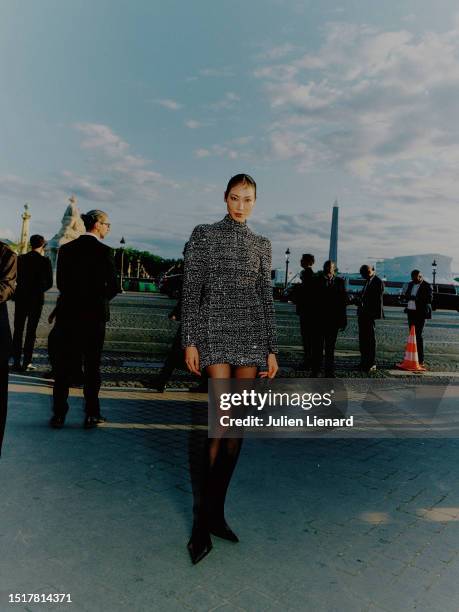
154,265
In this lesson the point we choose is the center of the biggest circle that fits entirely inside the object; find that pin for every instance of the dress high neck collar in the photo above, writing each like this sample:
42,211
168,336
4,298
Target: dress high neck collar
230,221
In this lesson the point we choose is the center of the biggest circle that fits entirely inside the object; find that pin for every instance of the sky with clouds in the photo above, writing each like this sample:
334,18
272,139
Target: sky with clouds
146,108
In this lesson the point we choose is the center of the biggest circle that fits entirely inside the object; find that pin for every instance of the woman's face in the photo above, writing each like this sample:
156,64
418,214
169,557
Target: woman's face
240,202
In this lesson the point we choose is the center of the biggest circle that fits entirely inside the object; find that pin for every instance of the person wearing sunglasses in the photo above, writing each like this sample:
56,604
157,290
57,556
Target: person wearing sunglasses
87,280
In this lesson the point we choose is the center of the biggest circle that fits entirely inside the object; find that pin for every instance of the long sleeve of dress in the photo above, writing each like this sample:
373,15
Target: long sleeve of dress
195,262
266,294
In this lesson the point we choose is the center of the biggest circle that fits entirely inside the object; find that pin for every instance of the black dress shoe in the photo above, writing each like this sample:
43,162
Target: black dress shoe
17,367
93,421
57,421
221,529
199,545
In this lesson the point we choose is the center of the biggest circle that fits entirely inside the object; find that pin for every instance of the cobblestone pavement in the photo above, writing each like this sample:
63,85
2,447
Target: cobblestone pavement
325,525
139,336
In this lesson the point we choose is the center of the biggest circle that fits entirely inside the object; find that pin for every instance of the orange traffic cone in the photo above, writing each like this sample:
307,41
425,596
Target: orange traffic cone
411,361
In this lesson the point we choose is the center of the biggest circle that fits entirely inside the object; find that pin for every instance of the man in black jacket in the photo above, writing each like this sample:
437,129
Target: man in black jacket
87,281
8,268
35,277
369,309
302,298
328,310
419,308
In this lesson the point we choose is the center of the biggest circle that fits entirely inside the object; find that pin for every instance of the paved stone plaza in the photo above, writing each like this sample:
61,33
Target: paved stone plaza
325,525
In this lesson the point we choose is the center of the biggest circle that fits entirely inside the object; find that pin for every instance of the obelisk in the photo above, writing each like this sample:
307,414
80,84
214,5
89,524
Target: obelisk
333,252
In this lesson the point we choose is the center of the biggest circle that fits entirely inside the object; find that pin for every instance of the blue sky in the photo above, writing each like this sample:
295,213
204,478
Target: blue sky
146,108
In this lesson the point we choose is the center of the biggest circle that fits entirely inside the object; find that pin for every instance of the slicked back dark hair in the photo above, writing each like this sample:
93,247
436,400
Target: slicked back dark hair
238,179
92,217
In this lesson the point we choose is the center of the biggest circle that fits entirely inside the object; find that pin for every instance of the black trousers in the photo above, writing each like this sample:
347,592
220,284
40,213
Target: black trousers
30,312
3,398
324,338
418,321
306,327
367,341
173,360
80,343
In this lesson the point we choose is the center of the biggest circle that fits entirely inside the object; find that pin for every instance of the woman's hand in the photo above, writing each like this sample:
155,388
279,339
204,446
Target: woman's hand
192,360
272,367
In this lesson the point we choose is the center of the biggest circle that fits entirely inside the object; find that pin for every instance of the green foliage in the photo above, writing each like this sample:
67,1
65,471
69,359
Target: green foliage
153,264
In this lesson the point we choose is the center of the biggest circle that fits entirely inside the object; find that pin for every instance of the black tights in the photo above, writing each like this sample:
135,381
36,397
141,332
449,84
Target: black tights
221,457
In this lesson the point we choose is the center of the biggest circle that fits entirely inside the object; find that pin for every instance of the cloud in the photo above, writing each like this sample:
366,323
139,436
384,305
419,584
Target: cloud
120,175
366,100
101,137
86,188
12,186
168,103
363,234
277,52
232,149
192,124
229,100
199,153
114,174
381,107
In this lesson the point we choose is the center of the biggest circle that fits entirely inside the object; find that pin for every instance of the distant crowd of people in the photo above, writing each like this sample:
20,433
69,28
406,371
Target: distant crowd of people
321,302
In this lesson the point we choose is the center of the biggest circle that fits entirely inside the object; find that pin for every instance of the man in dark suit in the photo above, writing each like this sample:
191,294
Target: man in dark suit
419,308
369,309
87,281
302,298
35,277
8,269
328,310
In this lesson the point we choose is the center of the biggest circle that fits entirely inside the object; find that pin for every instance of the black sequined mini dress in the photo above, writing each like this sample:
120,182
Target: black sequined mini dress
227,297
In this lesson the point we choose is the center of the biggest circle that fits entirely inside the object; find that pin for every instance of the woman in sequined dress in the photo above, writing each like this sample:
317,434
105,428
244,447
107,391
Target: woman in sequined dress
228,328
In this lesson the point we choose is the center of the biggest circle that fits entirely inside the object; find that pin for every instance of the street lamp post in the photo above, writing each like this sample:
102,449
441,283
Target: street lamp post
287,253
122,243
434,273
